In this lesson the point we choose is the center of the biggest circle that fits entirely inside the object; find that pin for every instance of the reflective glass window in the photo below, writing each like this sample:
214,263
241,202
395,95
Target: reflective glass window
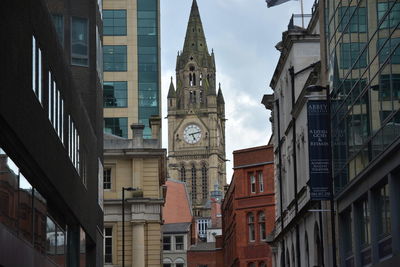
392,18
116,126
148,74
349,55
352,19
115,94
390,47
114,22
79,41
115,58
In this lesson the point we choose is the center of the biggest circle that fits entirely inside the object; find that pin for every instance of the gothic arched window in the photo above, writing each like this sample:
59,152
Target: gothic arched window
183,173
204,180
201,79
190,79
194,78
194,191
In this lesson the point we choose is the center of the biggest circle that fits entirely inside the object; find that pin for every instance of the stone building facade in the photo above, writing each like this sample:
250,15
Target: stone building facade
301,234
140,164
196,120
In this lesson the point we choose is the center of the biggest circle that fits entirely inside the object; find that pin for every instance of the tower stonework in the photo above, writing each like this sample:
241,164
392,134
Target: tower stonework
196,120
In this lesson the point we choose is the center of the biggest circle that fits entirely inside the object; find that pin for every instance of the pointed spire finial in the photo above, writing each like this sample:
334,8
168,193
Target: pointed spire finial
219,86
171,91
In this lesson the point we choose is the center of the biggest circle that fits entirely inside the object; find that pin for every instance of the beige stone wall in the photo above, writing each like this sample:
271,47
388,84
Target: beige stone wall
143,235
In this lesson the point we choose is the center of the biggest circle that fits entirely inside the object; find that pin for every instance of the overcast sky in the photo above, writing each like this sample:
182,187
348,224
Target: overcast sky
243,34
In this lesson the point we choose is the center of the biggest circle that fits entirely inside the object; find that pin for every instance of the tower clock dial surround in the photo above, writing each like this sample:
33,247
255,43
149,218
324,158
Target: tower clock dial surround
192,134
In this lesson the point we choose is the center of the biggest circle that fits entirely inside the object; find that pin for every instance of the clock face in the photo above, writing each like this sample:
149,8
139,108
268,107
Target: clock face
192,134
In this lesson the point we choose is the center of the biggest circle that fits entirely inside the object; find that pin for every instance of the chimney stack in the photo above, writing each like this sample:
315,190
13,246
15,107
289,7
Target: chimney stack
137,135
155,125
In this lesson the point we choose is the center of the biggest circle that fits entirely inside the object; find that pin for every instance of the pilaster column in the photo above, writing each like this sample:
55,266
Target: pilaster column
138,244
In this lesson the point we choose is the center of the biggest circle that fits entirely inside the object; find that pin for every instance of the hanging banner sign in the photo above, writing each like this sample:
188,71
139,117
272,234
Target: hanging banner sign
318,149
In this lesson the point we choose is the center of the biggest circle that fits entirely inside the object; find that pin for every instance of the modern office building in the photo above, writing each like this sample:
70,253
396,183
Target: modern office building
361,45
248,210
51,134
131,65
139,166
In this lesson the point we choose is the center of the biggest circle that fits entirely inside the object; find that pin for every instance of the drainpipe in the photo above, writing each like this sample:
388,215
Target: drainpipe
292,76
280,178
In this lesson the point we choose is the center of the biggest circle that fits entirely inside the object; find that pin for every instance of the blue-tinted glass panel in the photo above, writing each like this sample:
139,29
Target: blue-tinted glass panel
115,94
391,45
114,22
116,126
349,53
389,87
147,4
115,58
390,19
148,68
352,19
148,98
79,42
147,14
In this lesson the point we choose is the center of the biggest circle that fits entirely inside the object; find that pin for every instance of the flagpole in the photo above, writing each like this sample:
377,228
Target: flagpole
302,13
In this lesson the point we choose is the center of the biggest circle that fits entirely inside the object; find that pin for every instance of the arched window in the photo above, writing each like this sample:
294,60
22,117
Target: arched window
190,79
261,224
263,264
194,78
251,264
194,191
183,173
201,97
204,180
250,221
201,79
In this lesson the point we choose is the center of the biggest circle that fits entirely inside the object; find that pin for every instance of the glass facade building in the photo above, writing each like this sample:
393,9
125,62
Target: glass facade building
364,58
148,62
131,56
363,62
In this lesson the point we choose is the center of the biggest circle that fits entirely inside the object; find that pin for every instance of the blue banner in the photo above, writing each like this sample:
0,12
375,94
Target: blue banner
320,181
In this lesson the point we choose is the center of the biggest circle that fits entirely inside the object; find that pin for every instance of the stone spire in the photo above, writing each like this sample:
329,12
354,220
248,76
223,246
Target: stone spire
195,40
220,97
171,92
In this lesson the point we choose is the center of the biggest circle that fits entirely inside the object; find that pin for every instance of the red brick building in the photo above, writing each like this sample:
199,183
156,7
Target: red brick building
248,210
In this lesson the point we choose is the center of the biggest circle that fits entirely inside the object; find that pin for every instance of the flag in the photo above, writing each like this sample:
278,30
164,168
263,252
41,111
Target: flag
271,3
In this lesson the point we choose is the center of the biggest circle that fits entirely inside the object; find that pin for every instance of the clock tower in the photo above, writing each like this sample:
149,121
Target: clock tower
196,121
